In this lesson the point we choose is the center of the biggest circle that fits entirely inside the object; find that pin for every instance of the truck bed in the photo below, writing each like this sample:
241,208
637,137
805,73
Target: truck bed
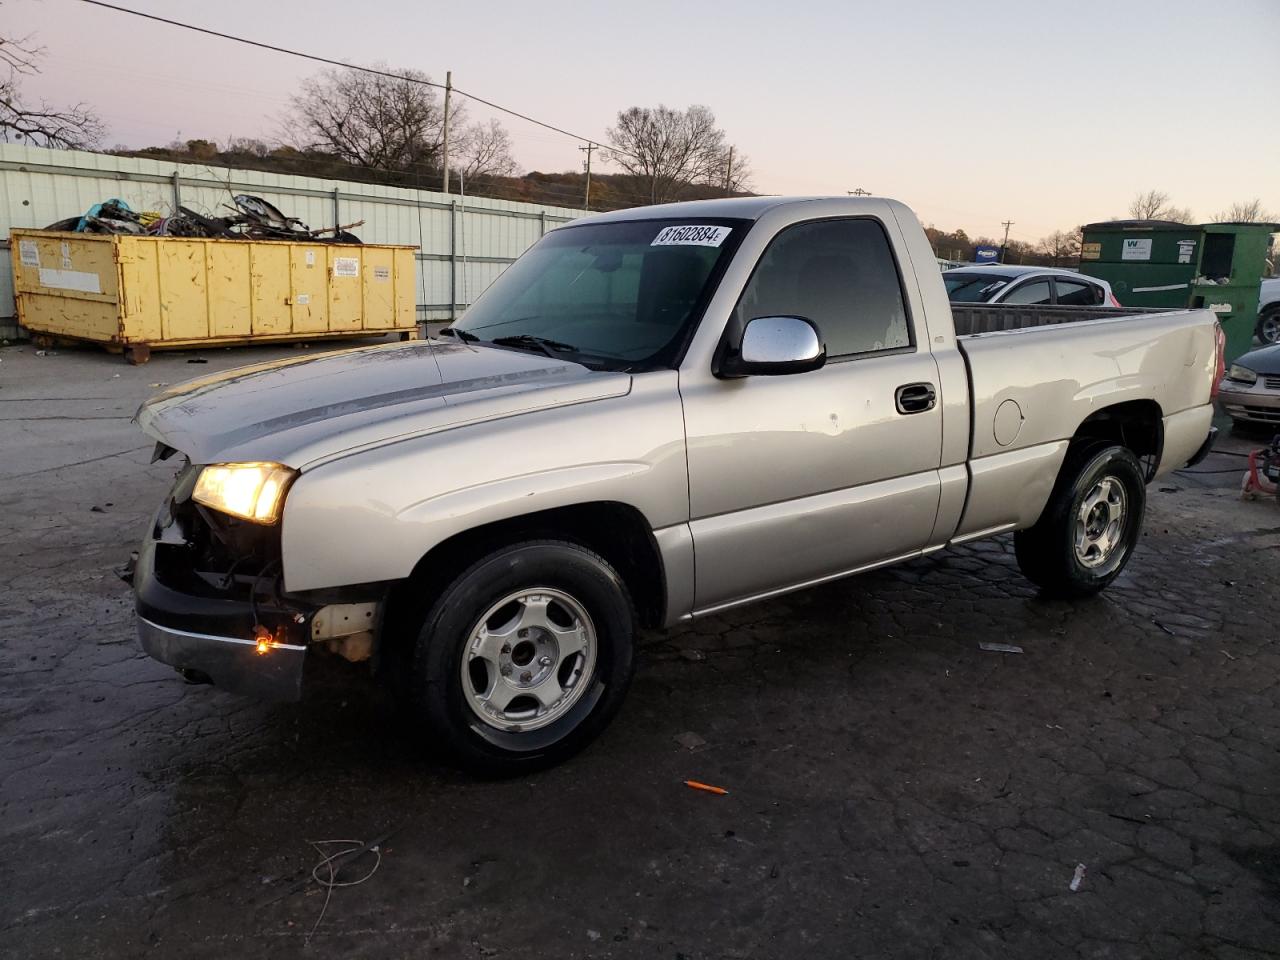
974,318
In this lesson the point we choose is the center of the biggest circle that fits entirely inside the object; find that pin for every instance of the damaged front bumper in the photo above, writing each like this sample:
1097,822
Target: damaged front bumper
236,645
210,602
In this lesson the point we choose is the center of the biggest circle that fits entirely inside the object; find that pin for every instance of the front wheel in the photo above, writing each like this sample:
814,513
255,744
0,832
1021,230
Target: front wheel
1090,525
524,658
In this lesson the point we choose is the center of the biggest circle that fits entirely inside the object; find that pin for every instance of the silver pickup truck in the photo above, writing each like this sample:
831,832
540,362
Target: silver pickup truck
654,415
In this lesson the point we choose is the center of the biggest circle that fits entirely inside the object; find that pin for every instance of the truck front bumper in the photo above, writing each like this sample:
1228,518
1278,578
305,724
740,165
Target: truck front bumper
251,648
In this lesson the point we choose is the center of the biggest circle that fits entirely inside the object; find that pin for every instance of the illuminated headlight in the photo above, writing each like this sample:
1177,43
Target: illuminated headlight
1241,374
251,491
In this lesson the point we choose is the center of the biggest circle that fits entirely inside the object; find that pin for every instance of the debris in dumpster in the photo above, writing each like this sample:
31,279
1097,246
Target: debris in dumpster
707,788
252,218
1077,878
999,647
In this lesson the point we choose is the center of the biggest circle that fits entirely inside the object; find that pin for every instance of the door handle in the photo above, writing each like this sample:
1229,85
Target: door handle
915,398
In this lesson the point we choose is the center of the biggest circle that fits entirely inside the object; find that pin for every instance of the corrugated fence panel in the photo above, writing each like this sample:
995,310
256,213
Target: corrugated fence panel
478,235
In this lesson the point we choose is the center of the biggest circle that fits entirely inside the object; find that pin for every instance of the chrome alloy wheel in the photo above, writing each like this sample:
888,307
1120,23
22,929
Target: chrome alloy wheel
529,659
1269,329
1100,522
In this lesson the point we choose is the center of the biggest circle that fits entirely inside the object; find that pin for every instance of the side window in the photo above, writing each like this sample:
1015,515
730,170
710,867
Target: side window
841,275
1078,293
1033,292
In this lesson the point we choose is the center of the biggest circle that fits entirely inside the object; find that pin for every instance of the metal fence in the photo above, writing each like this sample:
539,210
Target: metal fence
464,243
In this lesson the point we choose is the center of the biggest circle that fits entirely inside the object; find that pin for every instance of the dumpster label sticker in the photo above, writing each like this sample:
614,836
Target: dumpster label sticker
1135,249
70,280
346,266
66,255
1185,249
382,273
691,236
29,253
311,258
302,299
1090,251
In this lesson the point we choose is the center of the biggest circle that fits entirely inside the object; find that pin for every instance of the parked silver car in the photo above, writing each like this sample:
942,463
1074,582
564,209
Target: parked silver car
1250,392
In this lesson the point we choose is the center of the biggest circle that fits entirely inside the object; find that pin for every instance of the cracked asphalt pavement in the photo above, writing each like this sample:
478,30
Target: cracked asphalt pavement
894,790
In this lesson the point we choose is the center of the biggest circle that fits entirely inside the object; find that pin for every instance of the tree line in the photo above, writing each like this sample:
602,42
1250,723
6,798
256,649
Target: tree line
1062,247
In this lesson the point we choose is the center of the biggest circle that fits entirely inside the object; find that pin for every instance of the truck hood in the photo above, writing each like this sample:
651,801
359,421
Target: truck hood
302,411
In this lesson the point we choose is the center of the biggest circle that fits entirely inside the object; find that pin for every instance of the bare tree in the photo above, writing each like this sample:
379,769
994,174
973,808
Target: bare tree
69,128
1062,246
370,120
393,123
667,150
484,150
1156,205
1246,211
732,172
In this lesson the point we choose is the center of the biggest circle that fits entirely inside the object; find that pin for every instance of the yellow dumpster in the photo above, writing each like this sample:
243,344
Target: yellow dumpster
133,294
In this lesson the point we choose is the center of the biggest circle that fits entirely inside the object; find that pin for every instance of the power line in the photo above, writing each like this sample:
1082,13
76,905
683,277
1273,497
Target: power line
346,66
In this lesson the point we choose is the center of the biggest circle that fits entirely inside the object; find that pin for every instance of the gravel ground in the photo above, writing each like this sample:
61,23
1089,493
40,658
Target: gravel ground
895,791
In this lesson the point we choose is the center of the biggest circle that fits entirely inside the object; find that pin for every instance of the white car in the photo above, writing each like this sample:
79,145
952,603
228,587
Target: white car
1005,283
1268,329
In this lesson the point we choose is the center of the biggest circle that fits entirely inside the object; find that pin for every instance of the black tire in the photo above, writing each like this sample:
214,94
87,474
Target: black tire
1047,552
1268,328
441,704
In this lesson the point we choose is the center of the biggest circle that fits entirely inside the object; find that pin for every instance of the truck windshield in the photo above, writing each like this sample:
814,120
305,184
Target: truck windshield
973,287
611,295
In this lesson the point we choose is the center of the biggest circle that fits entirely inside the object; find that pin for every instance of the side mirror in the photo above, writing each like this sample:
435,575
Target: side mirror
772,346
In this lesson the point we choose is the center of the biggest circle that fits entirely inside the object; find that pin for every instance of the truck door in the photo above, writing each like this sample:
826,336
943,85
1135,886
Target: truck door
799,478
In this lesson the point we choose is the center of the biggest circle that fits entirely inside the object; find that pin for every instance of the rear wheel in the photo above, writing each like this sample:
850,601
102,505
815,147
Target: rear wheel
1090,525
524,658
1268,328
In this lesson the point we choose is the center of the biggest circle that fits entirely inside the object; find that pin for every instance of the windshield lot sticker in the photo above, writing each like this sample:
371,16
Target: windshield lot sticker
691,236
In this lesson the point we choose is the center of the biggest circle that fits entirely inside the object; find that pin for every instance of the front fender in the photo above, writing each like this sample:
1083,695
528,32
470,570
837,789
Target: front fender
372,516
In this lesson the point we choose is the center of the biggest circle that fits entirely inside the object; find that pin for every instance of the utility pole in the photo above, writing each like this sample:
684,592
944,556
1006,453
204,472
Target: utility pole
588,149
448,90
1004,247
728,174
859,192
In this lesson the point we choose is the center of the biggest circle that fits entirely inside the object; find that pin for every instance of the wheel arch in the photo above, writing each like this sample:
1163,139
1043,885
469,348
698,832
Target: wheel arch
1135,424
617,531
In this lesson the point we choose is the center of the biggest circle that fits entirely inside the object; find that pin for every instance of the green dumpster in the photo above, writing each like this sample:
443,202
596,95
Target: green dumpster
1149,263
1228,278
1157,263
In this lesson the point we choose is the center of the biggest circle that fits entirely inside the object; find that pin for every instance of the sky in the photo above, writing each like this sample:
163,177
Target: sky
1044,113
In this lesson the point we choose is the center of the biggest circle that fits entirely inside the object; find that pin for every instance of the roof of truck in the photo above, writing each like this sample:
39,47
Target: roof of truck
737,208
